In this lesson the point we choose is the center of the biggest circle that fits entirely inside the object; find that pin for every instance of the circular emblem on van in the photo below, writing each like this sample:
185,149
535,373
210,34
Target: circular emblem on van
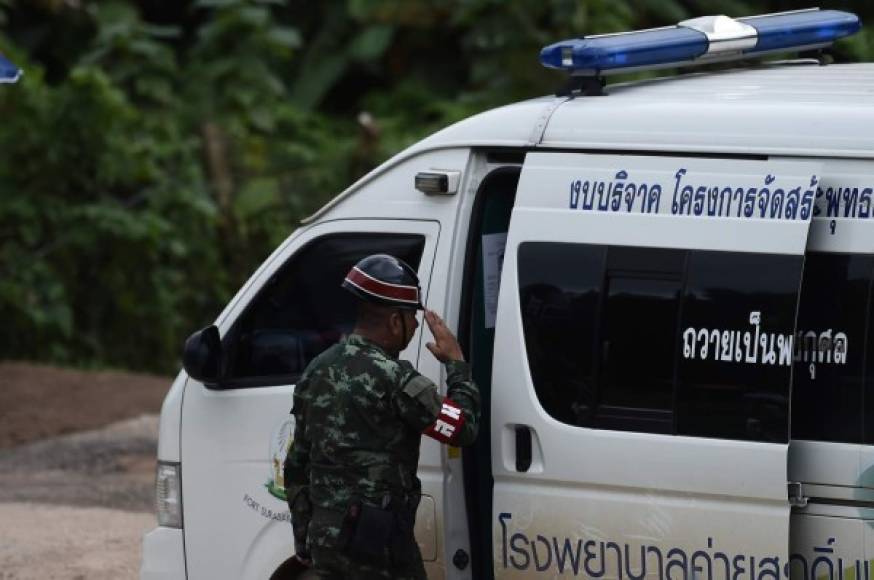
280,443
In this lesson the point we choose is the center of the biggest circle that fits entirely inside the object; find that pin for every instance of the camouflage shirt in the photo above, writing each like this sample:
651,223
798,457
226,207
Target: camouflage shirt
360,414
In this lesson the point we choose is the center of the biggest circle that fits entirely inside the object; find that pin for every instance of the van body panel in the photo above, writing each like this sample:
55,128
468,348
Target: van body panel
234,440
170,421
163,555
831,455
766,110
595,490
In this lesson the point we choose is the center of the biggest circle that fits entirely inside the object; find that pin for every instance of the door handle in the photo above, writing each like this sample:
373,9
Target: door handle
797,498
523,448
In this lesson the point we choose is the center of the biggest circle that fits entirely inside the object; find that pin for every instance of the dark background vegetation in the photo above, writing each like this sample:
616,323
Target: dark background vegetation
156,151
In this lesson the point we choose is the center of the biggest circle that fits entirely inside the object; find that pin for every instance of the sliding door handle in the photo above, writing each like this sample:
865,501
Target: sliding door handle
523,448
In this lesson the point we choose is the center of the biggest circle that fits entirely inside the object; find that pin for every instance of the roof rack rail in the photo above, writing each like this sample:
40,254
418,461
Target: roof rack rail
699,41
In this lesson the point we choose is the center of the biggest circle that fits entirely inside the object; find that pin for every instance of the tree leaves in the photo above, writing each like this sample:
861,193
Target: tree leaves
155,153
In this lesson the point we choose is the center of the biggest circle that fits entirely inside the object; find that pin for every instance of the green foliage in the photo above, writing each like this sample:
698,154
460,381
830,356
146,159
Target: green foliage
155,153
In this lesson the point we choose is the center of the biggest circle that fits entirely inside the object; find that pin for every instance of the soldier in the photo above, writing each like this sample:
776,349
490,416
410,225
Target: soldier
360,414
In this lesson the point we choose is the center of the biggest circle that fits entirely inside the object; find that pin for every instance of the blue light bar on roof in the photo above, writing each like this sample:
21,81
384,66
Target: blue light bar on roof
9,73
701,40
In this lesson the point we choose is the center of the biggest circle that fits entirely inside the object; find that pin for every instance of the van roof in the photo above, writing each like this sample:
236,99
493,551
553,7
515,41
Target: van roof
798,108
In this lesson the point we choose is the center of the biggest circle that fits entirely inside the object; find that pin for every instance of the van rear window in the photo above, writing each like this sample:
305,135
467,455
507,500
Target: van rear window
661,340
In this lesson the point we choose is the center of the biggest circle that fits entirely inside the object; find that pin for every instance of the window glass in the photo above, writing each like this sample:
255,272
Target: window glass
661,341
560,287
638,339
736,354
302,309
829,354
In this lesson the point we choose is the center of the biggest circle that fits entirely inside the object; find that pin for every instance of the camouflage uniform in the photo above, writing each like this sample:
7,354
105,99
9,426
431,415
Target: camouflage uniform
360,414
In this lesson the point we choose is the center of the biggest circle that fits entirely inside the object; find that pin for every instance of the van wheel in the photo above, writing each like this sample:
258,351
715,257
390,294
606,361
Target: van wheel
292,569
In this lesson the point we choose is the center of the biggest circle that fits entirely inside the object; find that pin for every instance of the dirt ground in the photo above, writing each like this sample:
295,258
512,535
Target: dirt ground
37,401
77,468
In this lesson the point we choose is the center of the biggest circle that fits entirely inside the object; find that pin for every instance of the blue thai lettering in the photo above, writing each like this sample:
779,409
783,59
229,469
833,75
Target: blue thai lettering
750,201
738,196
713,201
700,199
725,202
540,565
515,547
738,564
502,520
833,202
850,197
630,191
677,559
659,560
588,200
629,571
603,196
778,197
616,550
653,199
567,555
699,559
824,560
793,200
764,196
616,188
865,202
575,194
769,567
591,556
675,204
807,199
724,558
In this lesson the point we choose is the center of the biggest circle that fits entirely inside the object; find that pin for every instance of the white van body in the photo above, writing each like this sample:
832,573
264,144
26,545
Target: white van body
659,302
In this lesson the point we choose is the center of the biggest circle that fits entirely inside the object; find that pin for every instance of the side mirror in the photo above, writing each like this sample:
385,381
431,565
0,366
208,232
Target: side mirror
202,355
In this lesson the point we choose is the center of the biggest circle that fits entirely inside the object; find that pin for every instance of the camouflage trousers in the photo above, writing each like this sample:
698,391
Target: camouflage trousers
331,564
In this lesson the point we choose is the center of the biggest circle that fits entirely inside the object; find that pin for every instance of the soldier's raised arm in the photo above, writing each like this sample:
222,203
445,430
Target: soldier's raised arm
453,419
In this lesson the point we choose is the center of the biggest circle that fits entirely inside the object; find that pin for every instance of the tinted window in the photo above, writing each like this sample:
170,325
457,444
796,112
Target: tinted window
609,336
738,318
560,292
638,334
302,310
828,395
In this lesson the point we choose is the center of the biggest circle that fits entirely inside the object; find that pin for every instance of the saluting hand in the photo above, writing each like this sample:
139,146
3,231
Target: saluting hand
445,347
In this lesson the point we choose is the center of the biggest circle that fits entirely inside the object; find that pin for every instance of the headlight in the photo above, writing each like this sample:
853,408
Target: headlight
168,495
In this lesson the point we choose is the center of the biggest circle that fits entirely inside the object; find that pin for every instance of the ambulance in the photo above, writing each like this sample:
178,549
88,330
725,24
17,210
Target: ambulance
664,289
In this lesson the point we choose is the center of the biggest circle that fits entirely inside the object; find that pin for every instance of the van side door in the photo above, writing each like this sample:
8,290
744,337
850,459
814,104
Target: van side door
234,437
643,360
831,457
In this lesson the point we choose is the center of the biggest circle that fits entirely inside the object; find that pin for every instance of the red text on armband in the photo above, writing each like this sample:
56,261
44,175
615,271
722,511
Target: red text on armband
448,424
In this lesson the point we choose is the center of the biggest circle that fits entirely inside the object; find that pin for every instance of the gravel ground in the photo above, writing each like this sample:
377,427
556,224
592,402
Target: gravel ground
39,542
75,507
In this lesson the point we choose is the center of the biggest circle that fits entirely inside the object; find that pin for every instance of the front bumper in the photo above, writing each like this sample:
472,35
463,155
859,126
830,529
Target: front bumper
163,555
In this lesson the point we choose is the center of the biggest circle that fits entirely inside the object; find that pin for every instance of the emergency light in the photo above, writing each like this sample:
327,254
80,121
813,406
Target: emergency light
700,41
9,73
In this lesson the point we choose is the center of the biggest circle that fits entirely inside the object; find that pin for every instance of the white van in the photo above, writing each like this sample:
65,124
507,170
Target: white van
674,373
